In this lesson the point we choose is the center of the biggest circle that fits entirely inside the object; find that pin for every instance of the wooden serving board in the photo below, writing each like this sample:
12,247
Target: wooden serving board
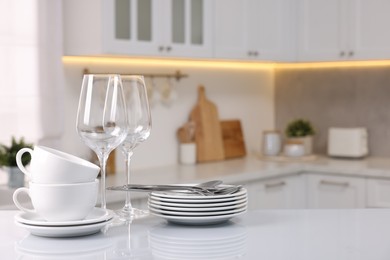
233,139
208,134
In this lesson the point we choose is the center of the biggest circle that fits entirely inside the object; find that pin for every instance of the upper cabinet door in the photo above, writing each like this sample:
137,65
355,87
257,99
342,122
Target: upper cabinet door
187,29
370,38
230,29
322,30
131,27
255,29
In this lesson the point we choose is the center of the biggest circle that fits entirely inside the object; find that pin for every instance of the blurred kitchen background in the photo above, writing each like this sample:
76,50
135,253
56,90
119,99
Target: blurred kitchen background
260,62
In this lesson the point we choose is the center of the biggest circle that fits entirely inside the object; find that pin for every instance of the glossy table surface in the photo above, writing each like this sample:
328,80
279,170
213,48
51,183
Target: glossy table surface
262,234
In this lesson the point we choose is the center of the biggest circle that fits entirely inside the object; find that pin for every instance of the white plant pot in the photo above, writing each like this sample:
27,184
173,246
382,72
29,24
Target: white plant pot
307,142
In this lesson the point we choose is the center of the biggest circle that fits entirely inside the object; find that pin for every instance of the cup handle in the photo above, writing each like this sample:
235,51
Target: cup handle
19,159
15,199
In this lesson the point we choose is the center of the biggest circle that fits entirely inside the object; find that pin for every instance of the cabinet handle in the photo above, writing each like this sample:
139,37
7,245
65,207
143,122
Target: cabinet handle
334,183
274,185
250,53
169,48
256,53
161,48
342,54
350,53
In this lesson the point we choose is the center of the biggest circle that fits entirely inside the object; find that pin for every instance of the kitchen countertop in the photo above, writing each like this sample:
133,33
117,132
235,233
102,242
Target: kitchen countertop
249,169
261,234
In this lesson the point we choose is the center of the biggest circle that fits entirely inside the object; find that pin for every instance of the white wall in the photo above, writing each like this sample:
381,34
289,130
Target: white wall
245,94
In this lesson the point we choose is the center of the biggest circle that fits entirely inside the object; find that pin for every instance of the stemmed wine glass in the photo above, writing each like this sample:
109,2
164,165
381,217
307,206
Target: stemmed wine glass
138,130
102,118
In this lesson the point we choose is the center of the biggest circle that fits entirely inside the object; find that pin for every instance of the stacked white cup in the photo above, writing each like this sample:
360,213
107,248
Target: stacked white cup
62,187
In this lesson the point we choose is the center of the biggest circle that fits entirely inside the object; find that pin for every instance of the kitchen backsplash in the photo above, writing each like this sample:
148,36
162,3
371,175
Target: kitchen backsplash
340,97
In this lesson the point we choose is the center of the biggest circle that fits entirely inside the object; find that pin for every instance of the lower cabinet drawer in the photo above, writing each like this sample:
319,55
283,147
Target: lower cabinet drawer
378,193
326,191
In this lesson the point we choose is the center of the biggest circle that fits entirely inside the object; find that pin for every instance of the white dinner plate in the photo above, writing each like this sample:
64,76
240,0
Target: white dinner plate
195,214
95,216
192,196
206,199
200,220
64,231
208,209
197,205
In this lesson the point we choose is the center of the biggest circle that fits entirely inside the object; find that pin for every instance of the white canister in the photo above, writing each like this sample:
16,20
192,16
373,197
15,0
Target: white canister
187,153
272,143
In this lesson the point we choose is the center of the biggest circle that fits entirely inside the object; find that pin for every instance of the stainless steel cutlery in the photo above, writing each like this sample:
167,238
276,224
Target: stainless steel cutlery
206,189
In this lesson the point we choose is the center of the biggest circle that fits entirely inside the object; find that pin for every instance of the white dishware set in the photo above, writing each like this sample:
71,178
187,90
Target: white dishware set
113,112
63,190
191,208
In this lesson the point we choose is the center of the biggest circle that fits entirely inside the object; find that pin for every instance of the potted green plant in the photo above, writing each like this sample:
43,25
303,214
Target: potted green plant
301,130
8,161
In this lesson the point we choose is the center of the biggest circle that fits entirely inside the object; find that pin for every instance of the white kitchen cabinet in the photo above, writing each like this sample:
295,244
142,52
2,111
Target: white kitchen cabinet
370,39
343,30
179,28
282,193
255,29
323,30
378,193
328,191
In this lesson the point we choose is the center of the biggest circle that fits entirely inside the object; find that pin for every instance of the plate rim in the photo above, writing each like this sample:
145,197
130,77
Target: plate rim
199,205
197,197
199,220
193,209
198,201
193,214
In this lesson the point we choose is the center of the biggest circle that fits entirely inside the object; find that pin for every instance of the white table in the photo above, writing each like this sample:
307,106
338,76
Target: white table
266,234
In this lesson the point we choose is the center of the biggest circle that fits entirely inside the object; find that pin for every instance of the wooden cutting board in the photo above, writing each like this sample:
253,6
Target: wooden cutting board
233,139
208,135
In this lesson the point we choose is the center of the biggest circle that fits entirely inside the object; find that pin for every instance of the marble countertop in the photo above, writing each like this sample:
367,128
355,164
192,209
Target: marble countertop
248,169
261,234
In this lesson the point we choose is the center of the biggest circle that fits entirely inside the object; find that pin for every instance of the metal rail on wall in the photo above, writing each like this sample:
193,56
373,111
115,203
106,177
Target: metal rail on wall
177,75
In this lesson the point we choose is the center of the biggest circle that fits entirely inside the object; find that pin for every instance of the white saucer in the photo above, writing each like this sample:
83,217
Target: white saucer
64,231
95,216
200,220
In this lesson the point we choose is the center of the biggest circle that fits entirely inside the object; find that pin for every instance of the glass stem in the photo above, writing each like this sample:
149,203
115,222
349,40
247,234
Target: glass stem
128,199
103,161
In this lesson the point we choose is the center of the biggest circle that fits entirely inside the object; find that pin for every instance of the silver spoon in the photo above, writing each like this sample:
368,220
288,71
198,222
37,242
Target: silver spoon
210,184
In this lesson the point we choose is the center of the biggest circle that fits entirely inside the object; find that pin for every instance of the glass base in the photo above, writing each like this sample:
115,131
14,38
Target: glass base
128,214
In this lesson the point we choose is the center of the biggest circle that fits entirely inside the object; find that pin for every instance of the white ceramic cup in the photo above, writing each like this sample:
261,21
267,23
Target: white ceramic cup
60,202
272,143
187,153
55,167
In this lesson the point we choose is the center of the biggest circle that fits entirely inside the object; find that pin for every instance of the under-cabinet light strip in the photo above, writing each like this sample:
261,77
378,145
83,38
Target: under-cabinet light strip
202,64
218,64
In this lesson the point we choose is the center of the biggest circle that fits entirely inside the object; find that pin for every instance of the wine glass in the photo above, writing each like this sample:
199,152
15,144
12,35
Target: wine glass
102,118
138,130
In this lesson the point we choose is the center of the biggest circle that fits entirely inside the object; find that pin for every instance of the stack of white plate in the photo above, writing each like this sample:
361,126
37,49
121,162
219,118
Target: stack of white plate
192,209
